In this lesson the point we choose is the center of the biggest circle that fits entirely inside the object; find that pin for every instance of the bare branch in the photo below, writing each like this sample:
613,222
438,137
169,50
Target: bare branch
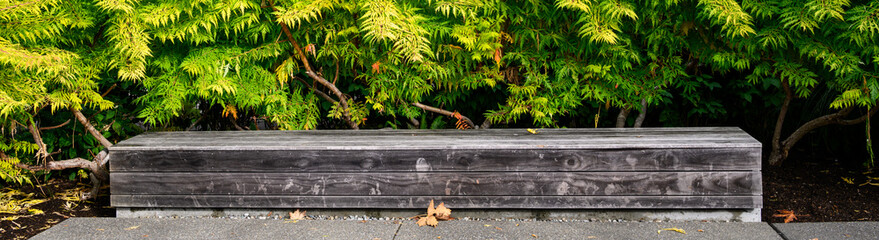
313,89
72,163
336,77
234,123
195,123
415,122
56,126
780,153
42,153
91,129
108,90
97,175
343,103
444,112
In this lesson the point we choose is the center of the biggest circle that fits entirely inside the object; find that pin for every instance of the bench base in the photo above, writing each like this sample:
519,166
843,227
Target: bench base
733,215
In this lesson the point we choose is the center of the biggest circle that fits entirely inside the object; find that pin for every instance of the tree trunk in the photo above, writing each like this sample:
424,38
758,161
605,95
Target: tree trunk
780,153
641,115
777,156
621,118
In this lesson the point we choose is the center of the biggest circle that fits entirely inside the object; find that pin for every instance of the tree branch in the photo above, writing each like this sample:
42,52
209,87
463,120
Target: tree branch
195,123
108,90
444,112
91,129
343,103
642,114
42,153
97,175
315,90
621,118
778,155
56,126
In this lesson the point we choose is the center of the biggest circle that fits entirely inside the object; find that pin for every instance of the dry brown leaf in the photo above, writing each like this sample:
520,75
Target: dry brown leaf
434,215
297,215
431,221
430,210
442,212
788,215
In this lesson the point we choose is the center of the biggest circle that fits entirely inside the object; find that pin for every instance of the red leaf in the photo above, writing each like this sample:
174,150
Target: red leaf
375,67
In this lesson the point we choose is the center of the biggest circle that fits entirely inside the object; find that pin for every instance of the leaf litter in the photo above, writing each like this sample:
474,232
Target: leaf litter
434,215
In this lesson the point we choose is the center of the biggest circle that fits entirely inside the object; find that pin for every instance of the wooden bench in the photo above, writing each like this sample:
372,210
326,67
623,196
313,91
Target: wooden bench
647,168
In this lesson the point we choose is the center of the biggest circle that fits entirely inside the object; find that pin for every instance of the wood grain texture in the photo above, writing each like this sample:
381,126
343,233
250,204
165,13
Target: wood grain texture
453,202
447,184
443,139
723,159
671,168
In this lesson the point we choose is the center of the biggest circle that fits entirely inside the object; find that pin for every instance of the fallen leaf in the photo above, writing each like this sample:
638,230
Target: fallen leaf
672,229
700,230
532,131
100,229
145,235
442,212
788,215
486,225
498,228
848,180
535,236
430,209
591,237
431,221
297,215
132,227
434,215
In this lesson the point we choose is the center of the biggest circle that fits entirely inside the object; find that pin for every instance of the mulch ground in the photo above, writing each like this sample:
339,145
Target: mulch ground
820,189
55,209
814,189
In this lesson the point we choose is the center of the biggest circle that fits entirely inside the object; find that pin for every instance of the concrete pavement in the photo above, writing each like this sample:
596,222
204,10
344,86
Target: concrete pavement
194,228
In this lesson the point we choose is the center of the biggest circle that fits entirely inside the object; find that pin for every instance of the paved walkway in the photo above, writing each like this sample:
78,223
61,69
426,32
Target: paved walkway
151,228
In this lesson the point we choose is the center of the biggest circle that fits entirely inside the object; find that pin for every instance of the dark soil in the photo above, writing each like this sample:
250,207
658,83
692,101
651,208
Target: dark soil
815,190
812,187
54,210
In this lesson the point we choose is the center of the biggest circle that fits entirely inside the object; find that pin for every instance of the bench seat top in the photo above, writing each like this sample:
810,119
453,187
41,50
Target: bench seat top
575,138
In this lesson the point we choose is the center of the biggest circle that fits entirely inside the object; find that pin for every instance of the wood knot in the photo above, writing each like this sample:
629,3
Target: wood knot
367,163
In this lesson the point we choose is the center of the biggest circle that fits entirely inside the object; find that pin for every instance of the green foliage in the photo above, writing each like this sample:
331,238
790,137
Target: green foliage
8,171
220,63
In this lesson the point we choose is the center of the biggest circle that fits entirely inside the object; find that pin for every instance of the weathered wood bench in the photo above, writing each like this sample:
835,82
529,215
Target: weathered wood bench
647,168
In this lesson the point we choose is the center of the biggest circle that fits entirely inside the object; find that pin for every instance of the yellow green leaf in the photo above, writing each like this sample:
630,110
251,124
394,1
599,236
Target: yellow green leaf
672,229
